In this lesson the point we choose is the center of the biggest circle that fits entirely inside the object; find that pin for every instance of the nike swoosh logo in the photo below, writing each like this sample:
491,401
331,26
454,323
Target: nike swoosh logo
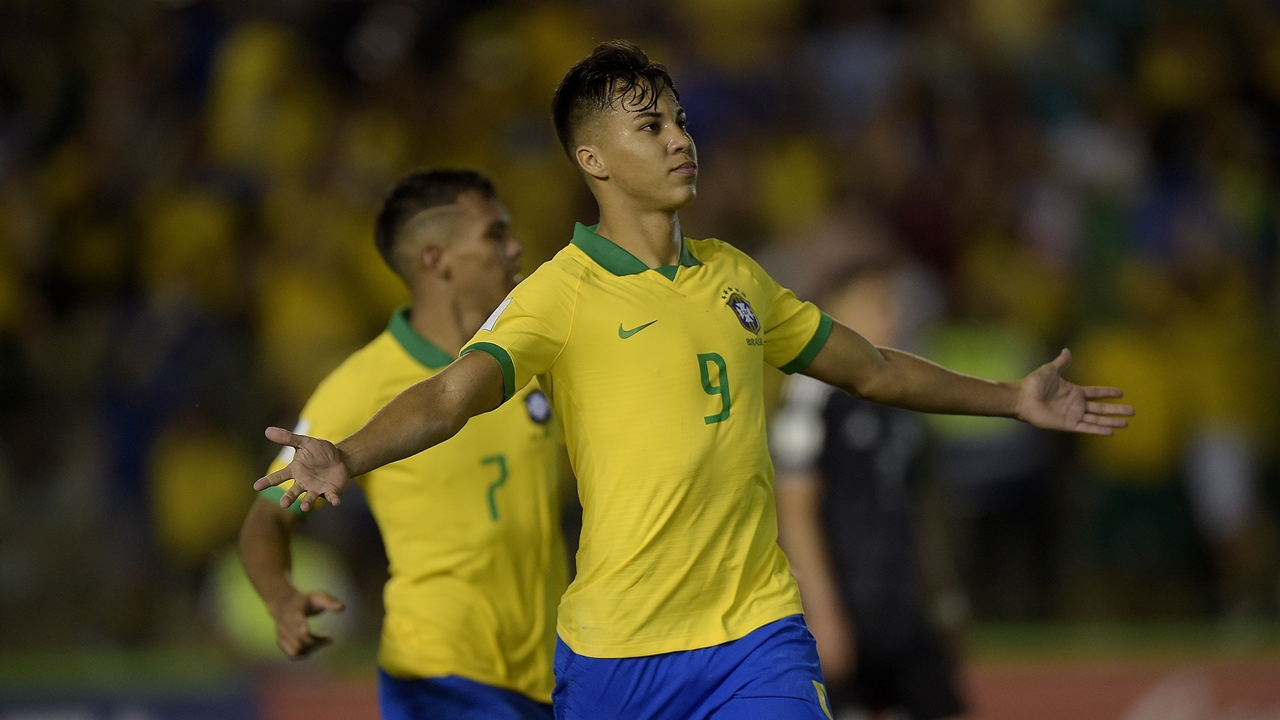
624,334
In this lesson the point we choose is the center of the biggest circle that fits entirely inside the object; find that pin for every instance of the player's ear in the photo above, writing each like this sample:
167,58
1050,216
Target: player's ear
431,259
589,160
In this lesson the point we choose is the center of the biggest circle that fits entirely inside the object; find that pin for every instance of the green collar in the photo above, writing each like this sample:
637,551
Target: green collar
613,258
418,347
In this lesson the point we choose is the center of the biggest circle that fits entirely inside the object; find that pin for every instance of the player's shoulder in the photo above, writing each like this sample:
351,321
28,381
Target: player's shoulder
551,288
720,254
359,373
709,249
562,274
566,265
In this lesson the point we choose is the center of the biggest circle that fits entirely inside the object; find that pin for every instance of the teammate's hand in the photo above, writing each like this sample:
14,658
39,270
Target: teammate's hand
1048,401
293,633
317,470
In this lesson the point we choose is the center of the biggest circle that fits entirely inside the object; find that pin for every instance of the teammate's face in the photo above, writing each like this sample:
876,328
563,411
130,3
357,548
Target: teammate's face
647,154
483,259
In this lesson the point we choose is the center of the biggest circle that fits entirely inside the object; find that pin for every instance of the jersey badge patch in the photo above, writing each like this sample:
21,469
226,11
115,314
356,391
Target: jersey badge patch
742,309
539,407
497,313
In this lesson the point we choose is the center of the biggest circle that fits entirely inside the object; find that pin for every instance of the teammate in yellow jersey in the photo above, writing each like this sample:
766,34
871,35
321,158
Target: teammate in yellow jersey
651,347
471,528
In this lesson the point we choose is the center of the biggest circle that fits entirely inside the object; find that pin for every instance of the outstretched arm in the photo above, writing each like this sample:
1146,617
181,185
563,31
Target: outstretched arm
264,552
897,378
424,415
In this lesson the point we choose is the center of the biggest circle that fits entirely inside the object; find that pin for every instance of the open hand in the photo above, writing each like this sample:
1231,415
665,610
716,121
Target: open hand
293,633
317,470
1048,401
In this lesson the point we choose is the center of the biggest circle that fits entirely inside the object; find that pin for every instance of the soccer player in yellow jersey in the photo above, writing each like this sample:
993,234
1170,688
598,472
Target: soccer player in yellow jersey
651,347
471,528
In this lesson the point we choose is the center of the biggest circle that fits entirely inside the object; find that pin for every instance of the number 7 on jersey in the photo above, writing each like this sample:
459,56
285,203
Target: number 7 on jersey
501,462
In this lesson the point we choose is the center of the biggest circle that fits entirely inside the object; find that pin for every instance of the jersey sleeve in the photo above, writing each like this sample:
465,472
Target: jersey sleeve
797,434
332,413
526,333
794,331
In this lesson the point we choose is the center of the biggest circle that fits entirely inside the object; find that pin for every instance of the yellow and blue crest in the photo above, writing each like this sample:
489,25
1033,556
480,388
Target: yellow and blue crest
742,309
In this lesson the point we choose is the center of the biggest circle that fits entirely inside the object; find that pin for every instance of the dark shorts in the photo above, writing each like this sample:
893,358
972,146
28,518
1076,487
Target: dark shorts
916,676
455,698
773,672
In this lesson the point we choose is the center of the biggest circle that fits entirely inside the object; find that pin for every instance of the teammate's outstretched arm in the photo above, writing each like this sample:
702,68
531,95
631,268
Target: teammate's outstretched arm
897,378
264,552
424,415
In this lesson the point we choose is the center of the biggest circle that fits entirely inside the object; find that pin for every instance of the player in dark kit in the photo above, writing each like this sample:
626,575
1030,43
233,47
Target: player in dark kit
846,470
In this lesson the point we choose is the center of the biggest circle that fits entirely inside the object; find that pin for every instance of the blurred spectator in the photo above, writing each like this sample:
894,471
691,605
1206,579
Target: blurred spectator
1142,531
998,471
181,181
192,526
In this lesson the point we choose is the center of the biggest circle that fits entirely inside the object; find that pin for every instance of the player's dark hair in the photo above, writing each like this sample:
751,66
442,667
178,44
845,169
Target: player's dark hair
614,70
420,191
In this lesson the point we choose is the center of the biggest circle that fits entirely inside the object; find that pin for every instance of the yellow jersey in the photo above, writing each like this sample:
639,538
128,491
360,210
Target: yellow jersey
656,376
471,526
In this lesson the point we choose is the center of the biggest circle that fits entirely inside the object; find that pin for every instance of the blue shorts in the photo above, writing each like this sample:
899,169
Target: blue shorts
771,673
455,698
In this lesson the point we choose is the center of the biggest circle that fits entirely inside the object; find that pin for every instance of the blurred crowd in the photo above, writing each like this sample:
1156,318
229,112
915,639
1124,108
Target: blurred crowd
187,192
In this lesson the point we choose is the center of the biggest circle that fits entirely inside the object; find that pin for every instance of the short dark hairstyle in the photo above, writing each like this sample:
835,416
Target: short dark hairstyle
422,190
615,69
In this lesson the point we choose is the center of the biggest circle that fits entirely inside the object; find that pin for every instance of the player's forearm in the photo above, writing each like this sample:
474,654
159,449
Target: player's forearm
911,382
413,421
425,414
264,552
897,378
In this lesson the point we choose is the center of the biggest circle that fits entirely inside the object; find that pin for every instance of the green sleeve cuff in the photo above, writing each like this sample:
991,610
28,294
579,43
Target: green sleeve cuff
810,350
273,494
504,361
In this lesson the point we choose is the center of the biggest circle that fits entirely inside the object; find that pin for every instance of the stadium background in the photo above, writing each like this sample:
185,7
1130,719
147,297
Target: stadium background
186,197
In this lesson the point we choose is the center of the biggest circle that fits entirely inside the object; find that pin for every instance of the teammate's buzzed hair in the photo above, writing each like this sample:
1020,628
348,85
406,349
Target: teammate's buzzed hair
420,191
617,69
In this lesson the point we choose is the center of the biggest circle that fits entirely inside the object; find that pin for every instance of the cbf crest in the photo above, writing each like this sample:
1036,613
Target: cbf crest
539,407
742,309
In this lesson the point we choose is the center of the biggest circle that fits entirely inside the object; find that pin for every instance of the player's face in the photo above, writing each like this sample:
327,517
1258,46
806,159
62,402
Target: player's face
483,261
649,154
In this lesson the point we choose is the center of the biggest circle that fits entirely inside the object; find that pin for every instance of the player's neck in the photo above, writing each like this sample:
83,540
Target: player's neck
653,237
438,317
